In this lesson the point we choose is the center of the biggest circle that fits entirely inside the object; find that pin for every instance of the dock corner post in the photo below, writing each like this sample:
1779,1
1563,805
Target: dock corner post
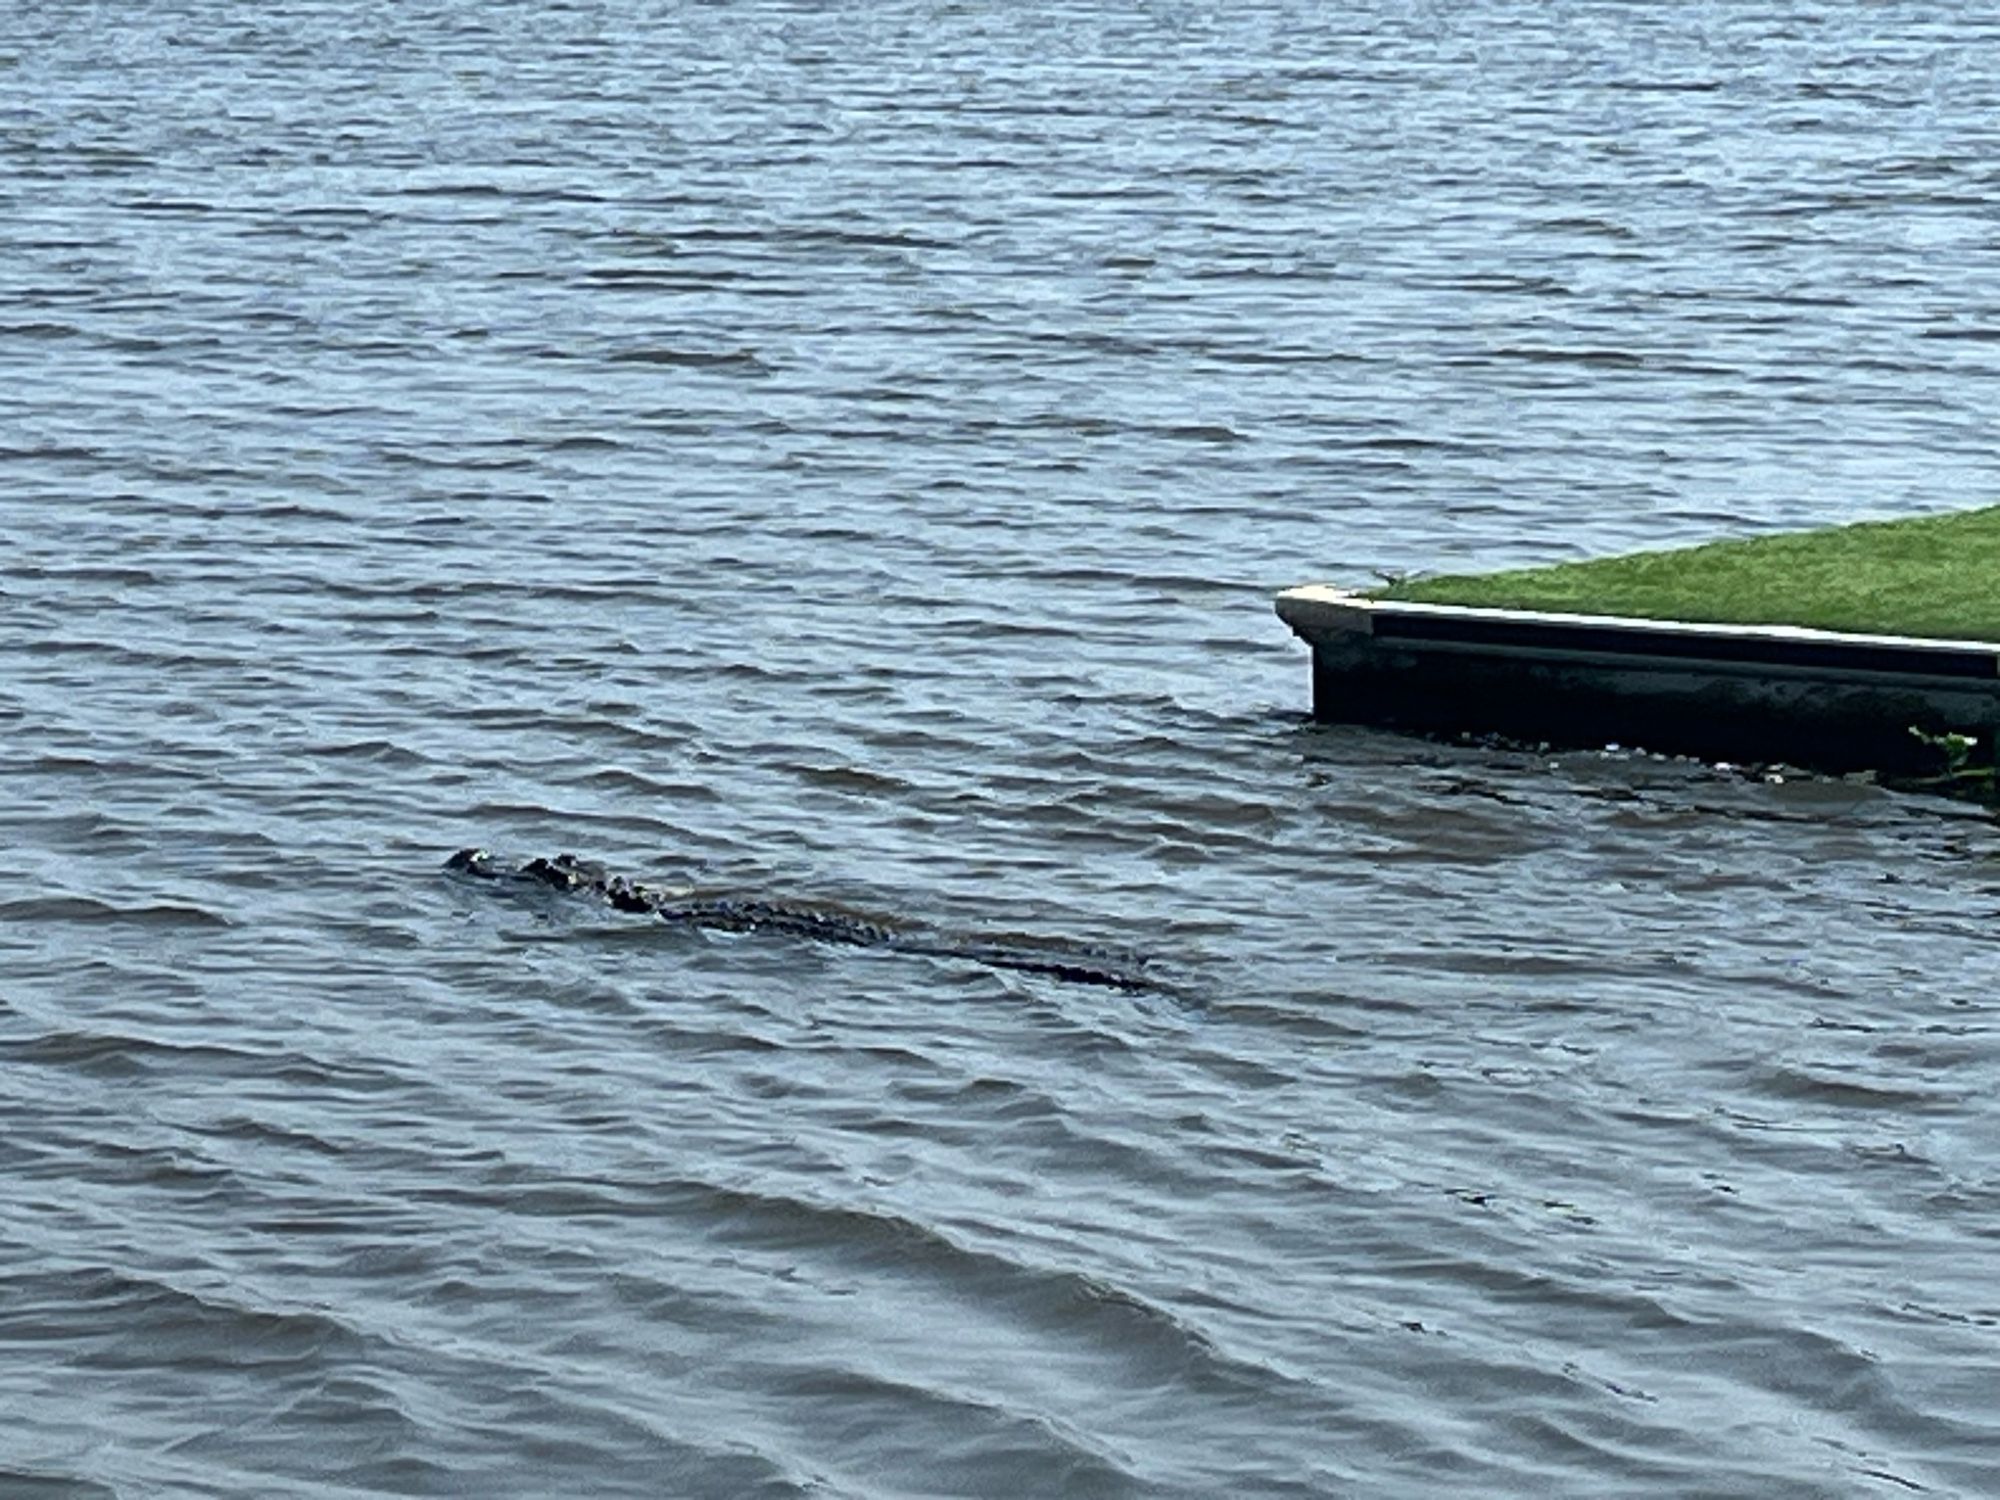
1325,690
1336,627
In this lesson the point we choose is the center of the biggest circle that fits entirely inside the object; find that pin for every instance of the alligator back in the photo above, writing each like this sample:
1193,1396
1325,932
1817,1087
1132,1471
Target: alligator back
722,913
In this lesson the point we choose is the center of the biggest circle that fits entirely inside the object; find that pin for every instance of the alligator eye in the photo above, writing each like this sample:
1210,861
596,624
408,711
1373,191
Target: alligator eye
549,874
627,898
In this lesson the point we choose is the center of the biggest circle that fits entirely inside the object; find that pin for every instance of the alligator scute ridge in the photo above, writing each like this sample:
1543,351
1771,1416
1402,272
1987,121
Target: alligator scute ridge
567,873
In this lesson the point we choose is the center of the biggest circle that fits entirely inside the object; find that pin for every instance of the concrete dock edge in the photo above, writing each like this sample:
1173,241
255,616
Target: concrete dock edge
1739,692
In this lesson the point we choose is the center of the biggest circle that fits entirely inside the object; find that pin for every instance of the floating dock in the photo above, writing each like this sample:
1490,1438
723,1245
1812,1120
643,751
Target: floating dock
1828,699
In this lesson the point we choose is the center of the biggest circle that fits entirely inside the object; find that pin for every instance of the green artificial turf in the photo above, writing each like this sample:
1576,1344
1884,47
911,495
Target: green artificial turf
1931,576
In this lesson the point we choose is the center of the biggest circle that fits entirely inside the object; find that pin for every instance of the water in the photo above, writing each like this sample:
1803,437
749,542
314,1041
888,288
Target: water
843,453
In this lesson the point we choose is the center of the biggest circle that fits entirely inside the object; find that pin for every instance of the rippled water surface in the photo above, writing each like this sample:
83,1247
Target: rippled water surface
842,454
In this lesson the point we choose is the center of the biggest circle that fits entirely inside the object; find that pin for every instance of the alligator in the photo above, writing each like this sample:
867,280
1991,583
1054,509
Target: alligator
587,878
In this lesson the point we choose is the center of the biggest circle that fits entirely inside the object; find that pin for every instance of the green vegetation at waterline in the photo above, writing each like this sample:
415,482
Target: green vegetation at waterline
1936,576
